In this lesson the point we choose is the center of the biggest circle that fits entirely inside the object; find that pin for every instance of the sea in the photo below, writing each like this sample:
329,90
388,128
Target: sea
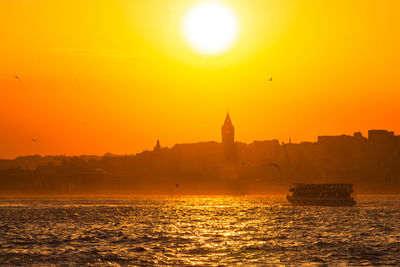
197,230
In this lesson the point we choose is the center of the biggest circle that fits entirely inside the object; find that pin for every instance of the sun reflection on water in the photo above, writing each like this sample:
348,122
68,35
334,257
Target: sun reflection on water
196,231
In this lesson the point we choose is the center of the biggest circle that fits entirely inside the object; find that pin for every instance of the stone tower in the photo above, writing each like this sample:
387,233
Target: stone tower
228,137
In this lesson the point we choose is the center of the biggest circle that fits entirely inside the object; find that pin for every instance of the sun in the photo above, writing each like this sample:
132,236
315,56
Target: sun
210,28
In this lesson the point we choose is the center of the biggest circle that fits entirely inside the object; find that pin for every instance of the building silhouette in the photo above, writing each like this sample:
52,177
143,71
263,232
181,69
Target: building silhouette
371,163
228,138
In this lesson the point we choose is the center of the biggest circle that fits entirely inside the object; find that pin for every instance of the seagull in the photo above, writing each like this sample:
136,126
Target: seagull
275,165
34,140
17,77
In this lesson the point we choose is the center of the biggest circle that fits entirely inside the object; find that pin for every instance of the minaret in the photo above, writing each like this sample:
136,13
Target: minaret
157,146
228,137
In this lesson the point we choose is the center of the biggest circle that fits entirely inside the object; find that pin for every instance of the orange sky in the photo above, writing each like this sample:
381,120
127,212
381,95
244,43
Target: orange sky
101,76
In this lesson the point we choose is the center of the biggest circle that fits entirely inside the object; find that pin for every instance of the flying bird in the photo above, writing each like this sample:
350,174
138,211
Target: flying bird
275,165
177,185
270,79
243,163
17,77
34,140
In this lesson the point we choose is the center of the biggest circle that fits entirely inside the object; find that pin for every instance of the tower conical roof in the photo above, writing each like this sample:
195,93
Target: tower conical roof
228,122
227,118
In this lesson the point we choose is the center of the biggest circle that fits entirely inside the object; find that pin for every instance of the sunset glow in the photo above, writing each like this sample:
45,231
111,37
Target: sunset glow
115,76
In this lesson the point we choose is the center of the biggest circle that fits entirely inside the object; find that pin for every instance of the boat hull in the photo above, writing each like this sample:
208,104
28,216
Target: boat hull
302,201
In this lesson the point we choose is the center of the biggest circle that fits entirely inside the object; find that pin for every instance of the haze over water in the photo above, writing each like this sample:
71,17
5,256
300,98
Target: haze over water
197,231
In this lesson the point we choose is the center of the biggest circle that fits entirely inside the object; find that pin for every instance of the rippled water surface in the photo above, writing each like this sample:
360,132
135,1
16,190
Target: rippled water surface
197,230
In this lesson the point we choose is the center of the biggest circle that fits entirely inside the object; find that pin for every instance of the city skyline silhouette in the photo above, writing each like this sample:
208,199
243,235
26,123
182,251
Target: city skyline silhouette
211,167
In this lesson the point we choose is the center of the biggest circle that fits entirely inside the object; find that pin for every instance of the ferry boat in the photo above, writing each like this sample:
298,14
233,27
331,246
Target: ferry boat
322,195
